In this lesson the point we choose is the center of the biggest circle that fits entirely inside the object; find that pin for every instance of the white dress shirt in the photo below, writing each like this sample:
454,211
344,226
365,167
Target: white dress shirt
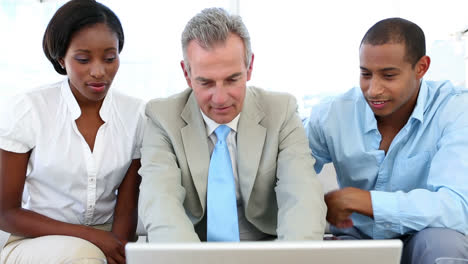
65,180
247,232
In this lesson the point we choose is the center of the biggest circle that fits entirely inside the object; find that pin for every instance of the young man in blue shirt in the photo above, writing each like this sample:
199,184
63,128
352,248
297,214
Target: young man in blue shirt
399,145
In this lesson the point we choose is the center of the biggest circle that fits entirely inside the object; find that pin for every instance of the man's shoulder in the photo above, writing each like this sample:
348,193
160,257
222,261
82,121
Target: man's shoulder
446,101
169,106
270,101
440,91
339,106
263,94
276,108
343,101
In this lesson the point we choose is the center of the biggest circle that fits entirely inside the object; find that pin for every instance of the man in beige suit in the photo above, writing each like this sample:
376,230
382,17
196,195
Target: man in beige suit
276,191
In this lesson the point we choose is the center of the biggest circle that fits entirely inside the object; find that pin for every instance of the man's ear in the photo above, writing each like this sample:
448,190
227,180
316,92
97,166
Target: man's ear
422,66
186,74
249,70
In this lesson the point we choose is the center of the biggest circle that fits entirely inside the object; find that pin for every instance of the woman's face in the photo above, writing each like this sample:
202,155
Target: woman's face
91,62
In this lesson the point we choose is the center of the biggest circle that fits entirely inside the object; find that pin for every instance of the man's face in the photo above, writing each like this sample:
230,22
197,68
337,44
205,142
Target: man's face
388,81
218,77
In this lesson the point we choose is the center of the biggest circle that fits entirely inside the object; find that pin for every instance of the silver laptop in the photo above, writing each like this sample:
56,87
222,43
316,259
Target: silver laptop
337,251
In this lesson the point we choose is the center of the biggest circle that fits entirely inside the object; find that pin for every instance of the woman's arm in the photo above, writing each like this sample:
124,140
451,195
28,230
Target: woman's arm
19,221
126,209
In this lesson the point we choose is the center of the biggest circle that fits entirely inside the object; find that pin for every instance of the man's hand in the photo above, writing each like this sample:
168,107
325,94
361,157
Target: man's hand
342,203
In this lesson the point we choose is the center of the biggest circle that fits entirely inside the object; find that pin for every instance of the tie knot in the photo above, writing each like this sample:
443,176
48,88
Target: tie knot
222,131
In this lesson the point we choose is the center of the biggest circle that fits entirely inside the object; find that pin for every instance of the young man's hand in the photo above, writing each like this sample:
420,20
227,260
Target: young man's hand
342,203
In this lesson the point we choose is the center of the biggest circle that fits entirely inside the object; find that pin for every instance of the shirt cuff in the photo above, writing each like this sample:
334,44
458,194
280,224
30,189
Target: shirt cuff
386,211
136,154
319,162
13,145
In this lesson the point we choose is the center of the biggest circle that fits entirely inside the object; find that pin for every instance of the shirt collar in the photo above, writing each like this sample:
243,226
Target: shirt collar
370,123
75,109
212,125
70,100
421,103
418,111
106,106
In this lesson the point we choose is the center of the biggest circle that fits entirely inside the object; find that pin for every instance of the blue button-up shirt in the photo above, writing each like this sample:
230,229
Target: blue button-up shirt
422,181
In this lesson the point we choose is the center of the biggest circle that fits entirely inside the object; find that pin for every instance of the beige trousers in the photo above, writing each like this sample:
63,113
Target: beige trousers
49,249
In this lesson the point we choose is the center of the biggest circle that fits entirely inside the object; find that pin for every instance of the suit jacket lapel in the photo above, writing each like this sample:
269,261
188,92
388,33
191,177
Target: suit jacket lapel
195,143
250,140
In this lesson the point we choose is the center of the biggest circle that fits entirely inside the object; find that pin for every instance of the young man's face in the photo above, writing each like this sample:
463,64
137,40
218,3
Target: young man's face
218,78
388,80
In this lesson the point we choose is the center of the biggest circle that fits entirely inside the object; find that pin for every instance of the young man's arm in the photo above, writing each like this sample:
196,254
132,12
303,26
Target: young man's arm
316,136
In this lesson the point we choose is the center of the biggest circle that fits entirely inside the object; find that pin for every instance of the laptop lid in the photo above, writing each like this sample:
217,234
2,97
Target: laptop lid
338,251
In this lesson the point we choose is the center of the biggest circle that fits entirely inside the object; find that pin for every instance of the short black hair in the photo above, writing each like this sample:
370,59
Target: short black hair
71,18
398,30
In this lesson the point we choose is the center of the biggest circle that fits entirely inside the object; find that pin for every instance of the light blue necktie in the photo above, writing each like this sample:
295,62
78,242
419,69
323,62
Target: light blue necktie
221,196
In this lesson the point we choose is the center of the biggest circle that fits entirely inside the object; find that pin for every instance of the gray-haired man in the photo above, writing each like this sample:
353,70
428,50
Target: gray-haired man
266,189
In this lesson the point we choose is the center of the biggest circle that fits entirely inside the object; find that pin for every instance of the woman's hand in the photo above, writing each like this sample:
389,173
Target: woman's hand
110,244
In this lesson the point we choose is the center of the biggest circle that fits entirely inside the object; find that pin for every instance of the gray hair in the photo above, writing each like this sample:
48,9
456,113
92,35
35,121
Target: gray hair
212,26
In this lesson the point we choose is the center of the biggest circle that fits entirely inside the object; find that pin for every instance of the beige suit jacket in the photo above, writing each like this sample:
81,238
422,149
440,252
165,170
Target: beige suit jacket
279,189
